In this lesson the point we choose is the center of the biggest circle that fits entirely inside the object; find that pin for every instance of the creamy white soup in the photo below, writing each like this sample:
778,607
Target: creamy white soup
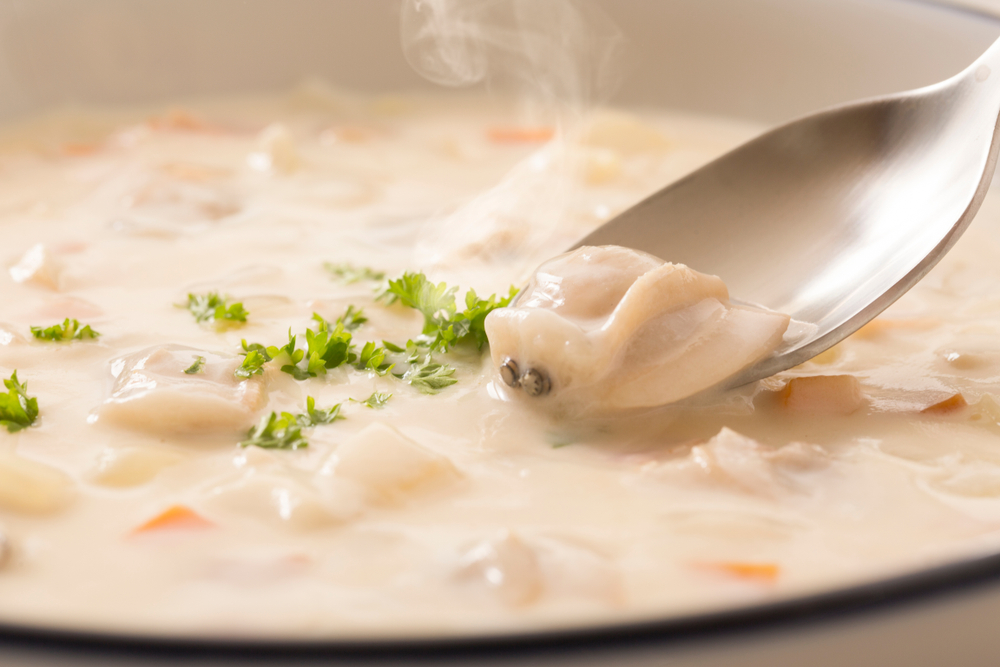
190,471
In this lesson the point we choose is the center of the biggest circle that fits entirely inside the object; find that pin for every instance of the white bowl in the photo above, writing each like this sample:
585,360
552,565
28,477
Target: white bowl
763,60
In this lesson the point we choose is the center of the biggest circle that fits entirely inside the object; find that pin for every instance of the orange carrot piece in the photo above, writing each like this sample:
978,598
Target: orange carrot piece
762,572
948,405
178,119
351,134
175,517
195,173
883,325
520,135
79,149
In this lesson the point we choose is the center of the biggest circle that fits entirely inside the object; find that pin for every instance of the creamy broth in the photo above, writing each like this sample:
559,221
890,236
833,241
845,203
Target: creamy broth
450,513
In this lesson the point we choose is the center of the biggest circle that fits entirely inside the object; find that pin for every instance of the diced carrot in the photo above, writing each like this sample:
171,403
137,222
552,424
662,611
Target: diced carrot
520,135
79,149
178,119
350,134
763,572
881,325
947,406
175,517
189,171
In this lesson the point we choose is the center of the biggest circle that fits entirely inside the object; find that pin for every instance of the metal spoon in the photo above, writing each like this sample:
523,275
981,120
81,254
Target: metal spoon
834,216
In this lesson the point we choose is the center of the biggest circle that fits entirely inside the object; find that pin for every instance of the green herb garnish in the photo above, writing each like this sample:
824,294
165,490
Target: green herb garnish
416,291
352,319
196,367
348,273
253,361
376,401
17,409
428,376
68,330
444,324
372,358
213,307
326,349
315,417
284,431
274,432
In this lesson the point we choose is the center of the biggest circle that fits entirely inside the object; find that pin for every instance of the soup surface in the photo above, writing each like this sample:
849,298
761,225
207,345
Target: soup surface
154,493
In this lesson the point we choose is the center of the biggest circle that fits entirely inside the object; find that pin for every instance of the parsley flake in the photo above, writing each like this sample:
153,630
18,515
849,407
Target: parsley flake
428,376
372,358
326,349
444,324
348,273
276,432
376,401
435,302
213,307
315,417
352,319
196,367
255,356
284,431
17,409
70,329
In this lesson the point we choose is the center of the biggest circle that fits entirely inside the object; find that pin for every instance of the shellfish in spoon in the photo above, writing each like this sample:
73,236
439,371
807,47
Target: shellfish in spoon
828,219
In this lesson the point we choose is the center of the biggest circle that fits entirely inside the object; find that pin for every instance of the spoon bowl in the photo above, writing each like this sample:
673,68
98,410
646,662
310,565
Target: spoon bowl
831,217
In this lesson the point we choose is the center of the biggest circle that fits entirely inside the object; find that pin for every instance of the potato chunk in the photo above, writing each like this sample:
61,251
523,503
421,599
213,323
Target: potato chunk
612,328
280,501
31,487
623,132
506,566
390,465
38,267
519,572
733,461
270,491
153,393
276,151
132,466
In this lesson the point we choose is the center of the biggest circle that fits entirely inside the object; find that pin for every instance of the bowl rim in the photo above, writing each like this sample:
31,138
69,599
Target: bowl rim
853,602
849,603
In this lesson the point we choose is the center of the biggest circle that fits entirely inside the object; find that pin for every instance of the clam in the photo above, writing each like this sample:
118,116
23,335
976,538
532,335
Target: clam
608,327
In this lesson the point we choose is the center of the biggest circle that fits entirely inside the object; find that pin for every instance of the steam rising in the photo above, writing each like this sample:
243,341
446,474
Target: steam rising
555,52
556,58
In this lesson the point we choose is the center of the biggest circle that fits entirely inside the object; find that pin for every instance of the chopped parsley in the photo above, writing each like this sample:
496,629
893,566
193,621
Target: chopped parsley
444,324
17,409
284,431
372,358
68,330
213,307
315,417
196,367
376,401
348,273
253,361
329,346
276,432
392,347
352,319
326,349
428,376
